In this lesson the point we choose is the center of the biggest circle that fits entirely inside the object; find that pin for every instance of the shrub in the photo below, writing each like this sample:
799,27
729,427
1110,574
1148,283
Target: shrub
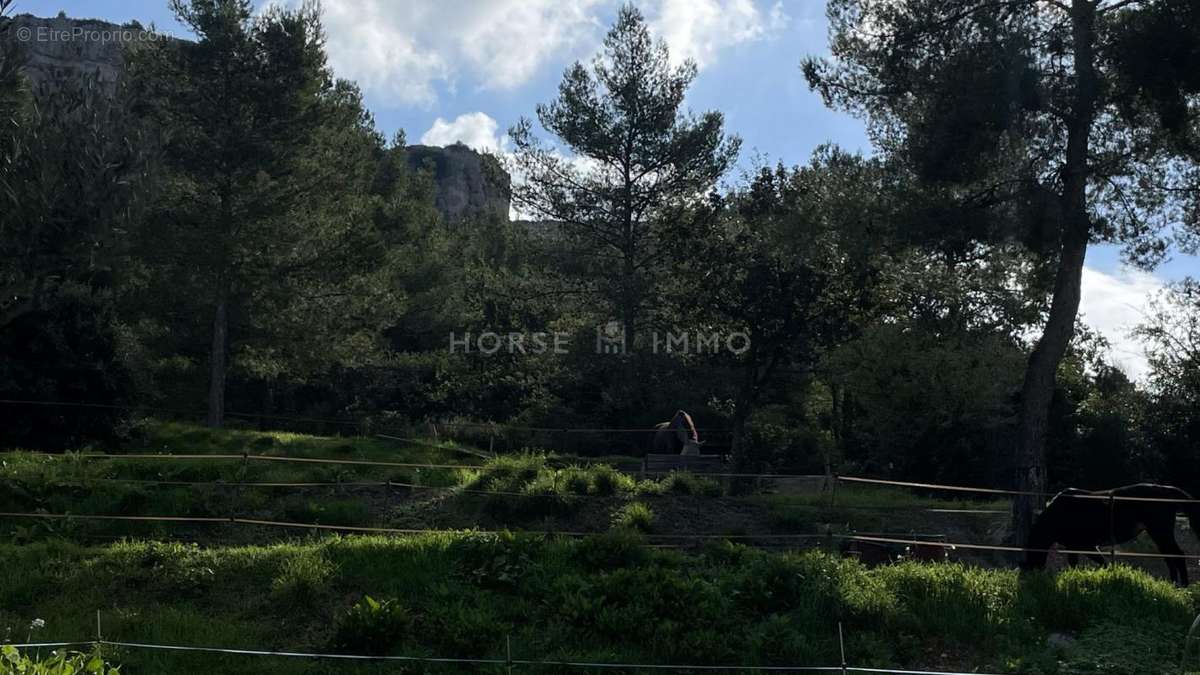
494,560
372,627
614,549
687,483
508,473
634,516
575,480
607,481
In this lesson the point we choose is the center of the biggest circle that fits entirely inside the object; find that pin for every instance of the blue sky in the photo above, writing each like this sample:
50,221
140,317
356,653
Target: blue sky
447,70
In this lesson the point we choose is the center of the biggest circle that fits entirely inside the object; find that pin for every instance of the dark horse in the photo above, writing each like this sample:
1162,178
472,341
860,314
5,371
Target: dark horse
677,436
1082,521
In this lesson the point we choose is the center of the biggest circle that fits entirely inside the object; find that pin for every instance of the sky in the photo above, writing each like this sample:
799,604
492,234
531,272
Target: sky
443,71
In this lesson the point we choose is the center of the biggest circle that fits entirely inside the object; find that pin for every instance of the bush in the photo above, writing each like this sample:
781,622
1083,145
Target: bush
612,550
64,351
607,481
508,473
372,627
634,516
575,480
494,560
687,483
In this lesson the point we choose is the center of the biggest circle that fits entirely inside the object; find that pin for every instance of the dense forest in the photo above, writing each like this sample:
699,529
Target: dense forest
223,233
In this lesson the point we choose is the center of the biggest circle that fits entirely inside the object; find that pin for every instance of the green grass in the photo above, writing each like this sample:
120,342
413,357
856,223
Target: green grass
635,516
871,507
608,598
535,486
72,484
602,598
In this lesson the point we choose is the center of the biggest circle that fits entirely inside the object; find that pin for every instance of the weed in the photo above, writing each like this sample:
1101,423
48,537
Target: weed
59,662
634,516
303,580
373,627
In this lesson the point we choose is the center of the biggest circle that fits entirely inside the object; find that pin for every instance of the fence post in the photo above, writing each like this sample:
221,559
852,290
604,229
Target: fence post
842,646
1112,529
244,474
508,652
99,636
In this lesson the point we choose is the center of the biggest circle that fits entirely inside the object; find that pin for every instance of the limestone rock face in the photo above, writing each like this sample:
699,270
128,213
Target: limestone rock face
62,47
468,183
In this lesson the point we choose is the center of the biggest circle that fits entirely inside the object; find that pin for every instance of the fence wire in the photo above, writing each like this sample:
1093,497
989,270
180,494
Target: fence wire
494,661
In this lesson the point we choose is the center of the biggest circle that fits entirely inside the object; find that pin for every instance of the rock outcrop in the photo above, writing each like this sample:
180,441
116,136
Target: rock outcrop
467,183
62,47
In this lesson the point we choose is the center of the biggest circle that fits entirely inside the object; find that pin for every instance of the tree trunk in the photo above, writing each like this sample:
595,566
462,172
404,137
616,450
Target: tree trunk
737,441
1038,389
217,365
631,391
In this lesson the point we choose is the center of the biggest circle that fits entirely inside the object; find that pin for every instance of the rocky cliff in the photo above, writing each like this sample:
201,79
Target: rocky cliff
467,183
63,47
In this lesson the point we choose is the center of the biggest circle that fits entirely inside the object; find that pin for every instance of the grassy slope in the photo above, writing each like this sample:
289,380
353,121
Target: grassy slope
604,599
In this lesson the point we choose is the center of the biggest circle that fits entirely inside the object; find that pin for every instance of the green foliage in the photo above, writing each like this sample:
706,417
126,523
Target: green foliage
59,662
302,580
496,560
607,481
461,594
1076,598
508,473
611,214
373,627
274,251
1111,648
686,483
634,516
59,257
327,511
621,547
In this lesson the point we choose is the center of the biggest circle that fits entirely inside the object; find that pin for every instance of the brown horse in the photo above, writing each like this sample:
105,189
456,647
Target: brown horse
677,436
1082,521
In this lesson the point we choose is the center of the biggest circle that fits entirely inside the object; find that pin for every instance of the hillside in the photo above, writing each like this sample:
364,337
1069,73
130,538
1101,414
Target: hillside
610,593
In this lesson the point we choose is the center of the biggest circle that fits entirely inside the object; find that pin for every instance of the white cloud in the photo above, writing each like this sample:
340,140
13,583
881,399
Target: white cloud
403,49
476,130
509,41
1113,305
699,29
365,44
402,52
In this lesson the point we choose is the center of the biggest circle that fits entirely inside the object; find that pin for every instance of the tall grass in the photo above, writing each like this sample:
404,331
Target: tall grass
610,598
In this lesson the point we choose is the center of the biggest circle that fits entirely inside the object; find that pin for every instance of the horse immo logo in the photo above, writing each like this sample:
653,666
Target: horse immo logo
610,338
